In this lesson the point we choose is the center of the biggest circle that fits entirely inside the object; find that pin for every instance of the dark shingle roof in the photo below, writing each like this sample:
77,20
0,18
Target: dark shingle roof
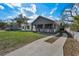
43,18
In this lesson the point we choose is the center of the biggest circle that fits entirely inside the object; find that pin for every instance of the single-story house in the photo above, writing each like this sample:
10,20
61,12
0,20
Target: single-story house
43,24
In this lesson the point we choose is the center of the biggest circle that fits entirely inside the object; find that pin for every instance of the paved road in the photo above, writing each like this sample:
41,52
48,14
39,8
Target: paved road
41,48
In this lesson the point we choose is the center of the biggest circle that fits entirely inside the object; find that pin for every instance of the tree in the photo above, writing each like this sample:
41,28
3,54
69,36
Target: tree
2,25
21,20
75,23
75,18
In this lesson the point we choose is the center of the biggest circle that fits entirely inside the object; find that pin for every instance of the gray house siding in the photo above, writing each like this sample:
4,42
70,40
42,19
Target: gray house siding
42,24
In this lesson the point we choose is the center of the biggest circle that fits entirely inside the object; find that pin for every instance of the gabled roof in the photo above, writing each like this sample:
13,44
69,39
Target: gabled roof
42,18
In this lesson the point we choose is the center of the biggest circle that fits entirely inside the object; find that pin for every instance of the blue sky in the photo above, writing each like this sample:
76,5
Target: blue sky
32,10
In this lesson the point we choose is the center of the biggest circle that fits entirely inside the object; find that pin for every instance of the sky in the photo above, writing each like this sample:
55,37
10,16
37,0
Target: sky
33,10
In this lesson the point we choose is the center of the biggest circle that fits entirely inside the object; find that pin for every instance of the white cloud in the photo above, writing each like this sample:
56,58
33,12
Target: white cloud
53,18
8,4
56,18
11,5
34,16
54,9
28,11
16,4
25,11
44,14
10,17
50,16
33,7
1,7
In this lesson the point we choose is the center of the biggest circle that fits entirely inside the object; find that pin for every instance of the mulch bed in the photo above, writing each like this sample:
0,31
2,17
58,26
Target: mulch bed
51,40
71,47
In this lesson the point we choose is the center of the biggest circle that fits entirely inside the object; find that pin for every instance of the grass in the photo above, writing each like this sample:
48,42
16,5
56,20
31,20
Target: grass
10,40
71,47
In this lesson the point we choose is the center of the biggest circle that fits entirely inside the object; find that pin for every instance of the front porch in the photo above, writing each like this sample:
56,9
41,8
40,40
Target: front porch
45,28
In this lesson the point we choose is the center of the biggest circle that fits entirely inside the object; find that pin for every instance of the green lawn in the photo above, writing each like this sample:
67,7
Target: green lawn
10,40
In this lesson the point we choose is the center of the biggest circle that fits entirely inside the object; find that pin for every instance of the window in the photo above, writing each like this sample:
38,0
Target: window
28,27
23,27
48,26
40,26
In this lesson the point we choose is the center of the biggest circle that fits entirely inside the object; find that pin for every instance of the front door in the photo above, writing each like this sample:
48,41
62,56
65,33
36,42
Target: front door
39,27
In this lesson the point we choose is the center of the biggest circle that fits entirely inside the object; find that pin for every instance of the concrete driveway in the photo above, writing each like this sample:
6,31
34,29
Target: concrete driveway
41,48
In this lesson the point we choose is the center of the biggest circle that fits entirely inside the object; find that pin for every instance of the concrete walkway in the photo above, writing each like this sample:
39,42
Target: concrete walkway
41,48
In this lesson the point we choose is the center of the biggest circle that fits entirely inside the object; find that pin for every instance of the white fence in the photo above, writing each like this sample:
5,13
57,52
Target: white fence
76,35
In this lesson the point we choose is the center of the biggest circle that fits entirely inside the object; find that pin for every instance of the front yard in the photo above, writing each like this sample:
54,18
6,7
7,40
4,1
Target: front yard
10,40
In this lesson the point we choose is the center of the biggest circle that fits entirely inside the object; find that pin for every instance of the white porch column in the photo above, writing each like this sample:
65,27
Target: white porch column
43,28
53,27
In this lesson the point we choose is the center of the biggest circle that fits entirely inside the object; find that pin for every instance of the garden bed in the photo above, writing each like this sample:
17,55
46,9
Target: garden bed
51,40
71,47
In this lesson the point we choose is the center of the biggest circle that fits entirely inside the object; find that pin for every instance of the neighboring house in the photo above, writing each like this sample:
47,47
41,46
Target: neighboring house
26,27
42,24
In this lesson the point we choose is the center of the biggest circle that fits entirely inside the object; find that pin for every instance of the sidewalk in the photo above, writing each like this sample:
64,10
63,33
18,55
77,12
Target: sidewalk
41,48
